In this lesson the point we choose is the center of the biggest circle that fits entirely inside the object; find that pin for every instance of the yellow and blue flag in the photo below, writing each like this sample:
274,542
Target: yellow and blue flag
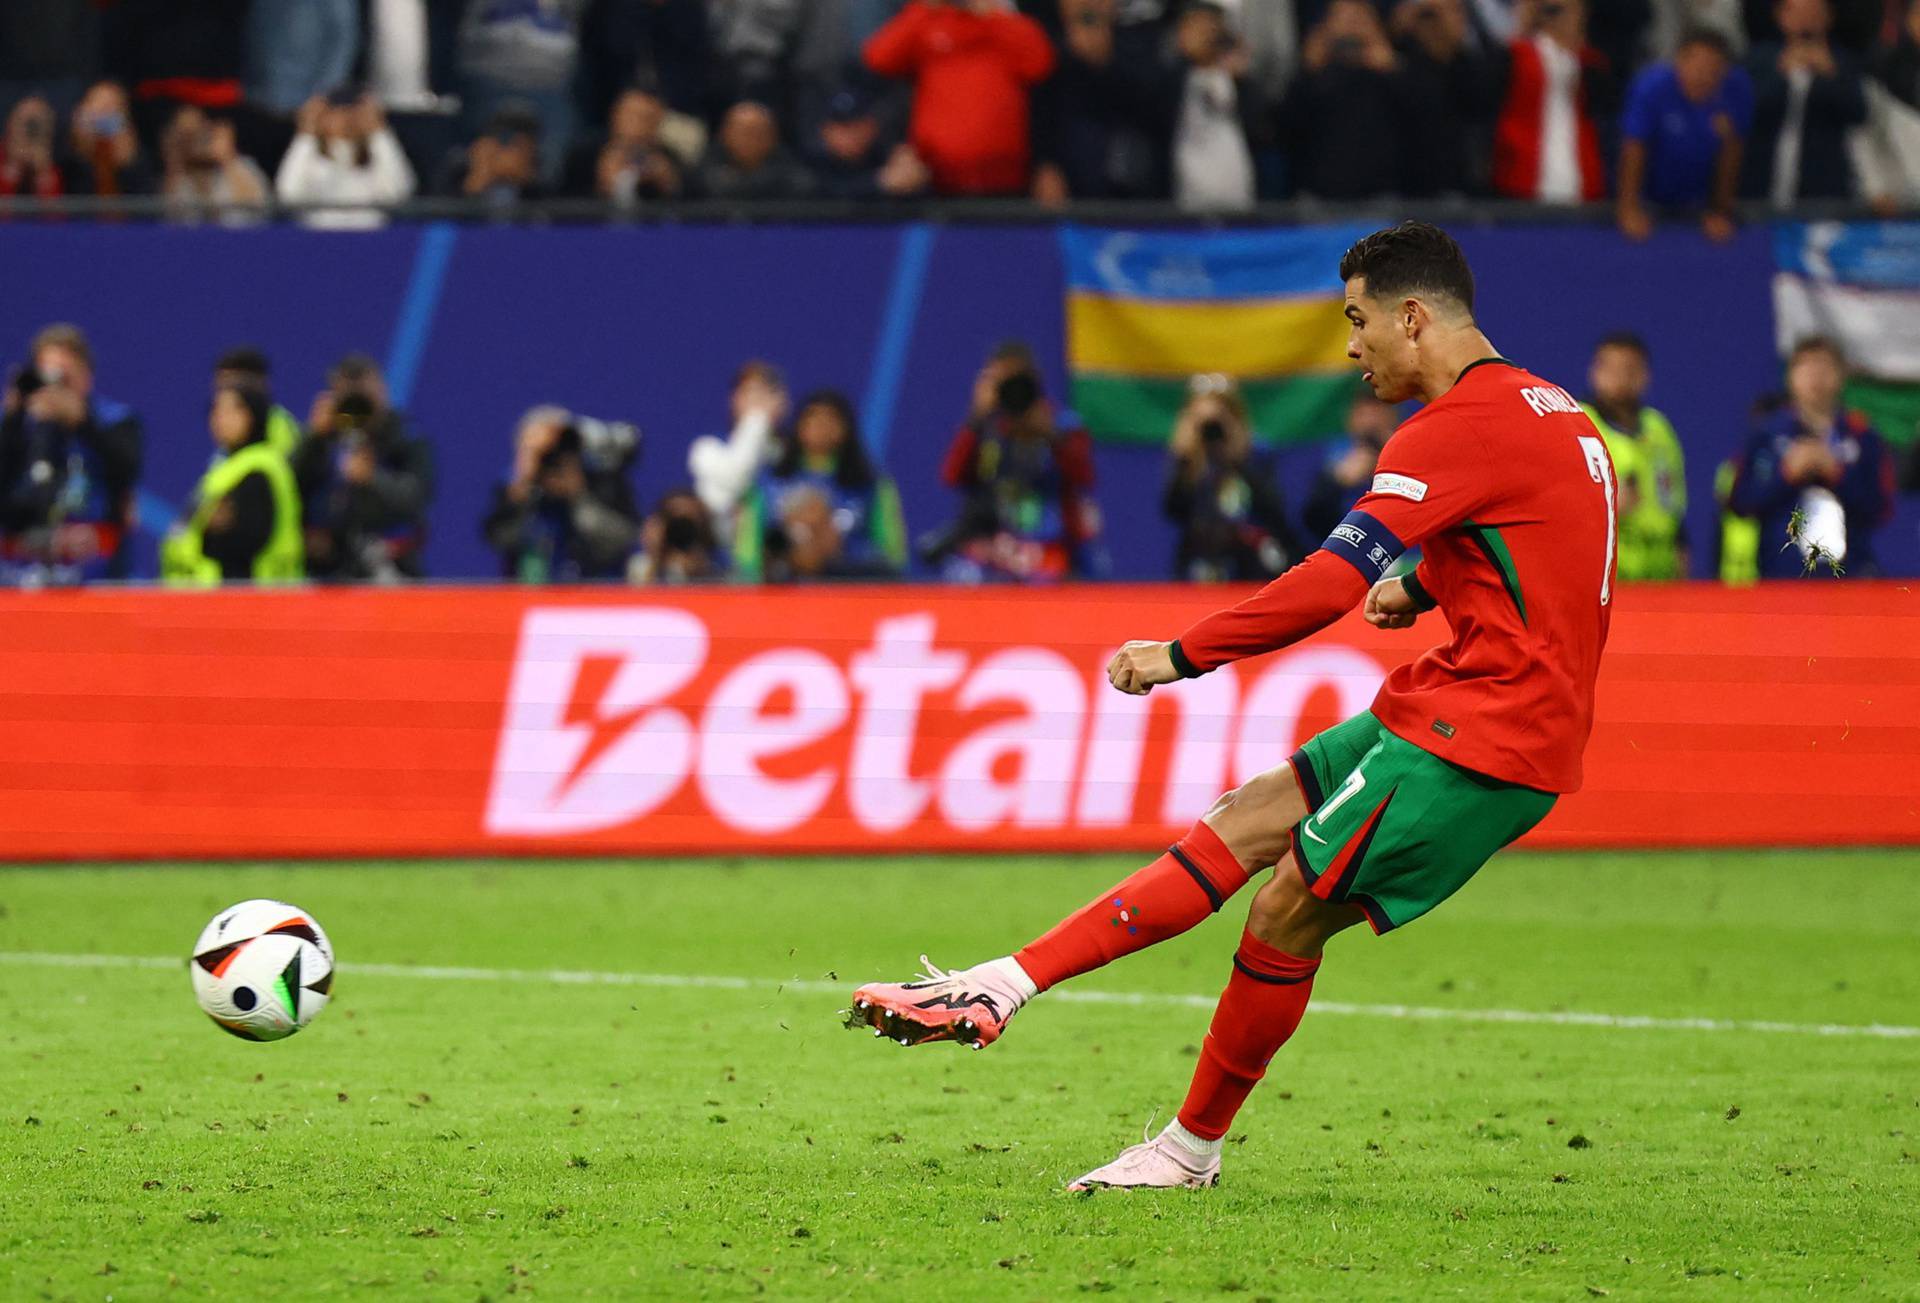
1148,310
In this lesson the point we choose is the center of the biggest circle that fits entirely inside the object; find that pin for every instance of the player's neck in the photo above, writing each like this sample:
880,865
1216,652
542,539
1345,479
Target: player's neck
1445,359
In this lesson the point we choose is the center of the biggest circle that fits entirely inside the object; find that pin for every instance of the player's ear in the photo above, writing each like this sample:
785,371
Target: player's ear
1413,317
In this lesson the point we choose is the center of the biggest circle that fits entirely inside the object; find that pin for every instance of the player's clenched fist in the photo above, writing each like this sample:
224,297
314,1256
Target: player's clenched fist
1391,606
1139,667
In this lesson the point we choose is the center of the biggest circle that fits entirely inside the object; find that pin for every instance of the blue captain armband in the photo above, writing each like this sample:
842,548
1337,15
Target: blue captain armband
1366,545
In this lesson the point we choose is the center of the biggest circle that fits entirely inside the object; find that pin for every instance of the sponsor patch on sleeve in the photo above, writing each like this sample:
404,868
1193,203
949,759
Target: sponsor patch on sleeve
1400,486
1365,544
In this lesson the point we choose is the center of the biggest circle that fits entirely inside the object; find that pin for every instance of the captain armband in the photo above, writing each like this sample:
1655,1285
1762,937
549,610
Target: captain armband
1365,544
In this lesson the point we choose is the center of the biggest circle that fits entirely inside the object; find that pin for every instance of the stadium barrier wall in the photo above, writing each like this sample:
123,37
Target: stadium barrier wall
476,324
144,724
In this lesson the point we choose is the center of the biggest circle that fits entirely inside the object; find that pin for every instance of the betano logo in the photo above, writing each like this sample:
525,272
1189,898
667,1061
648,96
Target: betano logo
602,730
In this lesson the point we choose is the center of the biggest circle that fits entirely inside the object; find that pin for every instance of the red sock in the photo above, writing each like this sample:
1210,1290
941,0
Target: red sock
1257,1013
1192,880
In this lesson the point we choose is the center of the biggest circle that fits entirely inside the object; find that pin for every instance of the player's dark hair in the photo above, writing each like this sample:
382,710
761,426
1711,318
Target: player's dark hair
1817,344
1628,340
1712,37
1411,260
245,360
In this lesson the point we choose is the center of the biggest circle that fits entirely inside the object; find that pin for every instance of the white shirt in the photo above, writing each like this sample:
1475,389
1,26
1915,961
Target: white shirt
1559,181
312,174
1212,166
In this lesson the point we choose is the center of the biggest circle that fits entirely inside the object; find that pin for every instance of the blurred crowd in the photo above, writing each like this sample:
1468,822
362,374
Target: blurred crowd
1664,107
789,491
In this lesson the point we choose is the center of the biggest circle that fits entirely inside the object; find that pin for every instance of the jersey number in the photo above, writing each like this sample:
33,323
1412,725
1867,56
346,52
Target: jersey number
1600,466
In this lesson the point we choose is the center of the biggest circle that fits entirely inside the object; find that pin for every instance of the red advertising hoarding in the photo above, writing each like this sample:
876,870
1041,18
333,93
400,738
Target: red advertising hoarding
143,724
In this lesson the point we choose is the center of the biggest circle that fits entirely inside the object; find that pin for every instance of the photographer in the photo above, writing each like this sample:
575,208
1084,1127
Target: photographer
206,175
27,165
568,512
343,153
1232,520
822,511
1815,476
1026,478
69,459
364,479
677,543
245,520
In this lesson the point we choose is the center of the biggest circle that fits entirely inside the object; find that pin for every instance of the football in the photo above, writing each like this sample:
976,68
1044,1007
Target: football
262,969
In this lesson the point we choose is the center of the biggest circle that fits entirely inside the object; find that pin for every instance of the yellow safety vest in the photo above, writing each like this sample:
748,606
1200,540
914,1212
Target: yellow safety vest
1652,474
282,560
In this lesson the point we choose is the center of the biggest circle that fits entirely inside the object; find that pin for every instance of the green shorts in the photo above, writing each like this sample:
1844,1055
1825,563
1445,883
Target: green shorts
1395,829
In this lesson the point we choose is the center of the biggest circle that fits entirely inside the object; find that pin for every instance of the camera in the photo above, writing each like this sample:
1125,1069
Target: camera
1016,394
1213,432
354,411
604,445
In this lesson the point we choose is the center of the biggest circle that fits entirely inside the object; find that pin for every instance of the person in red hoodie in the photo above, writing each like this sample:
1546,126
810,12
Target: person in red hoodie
1546,144
971,63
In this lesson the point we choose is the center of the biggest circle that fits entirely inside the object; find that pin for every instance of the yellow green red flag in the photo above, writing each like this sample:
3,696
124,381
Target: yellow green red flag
1148,310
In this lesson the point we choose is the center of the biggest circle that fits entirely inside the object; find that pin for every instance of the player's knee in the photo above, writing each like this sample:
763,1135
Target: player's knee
1288,917
1256,819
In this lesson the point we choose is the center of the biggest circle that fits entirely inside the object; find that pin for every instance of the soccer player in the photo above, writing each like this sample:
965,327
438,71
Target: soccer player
1507,488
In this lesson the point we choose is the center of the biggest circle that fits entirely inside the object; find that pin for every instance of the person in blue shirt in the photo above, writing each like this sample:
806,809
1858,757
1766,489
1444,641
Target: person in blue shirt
1815,476
1681,137
822,511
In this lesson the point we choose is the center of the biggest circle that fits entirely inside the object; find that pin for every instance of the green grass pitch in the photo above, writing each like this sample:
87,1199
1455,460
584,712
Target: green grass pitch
466,1135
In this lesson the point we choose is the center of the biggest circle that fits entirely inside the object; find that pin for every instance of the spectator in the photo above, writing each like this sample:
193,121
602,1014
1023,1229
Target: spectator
1619,30
1648,465
27,165
678,543
1815,476
244,523
1453,92
1886,151
823,511
633,161
971,66
1026,480
1346,115
725,470
69,461
1231,518
206,176
346,157
1546,142
568,511
364,477
106,157
746,160
246,367
1212,163
1348,472
1681,136
1104,119
297,49
502,166
524,55
1807,95
173,52
768,50
853,158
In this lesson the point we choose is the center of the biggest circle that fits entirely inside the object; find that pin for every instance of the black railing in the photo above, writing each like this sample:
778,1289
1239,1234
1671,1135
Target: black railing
985,212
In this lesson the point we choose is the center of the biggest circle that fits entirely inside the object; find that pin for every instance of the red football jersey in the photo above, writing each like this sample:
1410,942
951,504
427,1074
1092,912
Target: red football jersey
1508,489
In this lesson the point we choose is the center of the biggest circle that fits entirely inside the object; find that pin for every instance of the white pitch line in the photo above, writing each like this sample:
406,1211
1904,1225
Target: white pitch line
770,986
